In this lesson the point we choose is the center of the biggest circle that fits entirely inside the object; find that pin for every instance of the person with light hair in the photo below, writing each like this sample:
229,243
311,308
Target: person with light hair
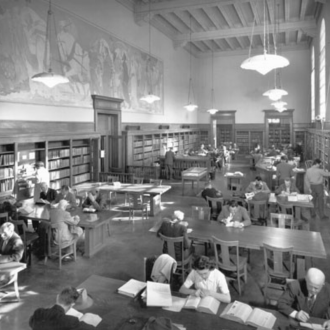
67,225
175,227
307,297
11,245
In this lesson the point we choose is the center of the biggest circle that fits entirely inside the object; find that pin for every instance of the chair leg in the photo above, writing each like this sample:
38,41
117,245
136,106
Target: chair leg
239,283
245,273
75,251
16,288
108,228
60,256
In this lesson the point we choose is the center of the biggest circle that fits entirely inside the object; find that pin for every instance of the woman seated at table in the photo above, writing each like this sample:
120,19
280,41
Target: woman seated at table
205,280
287,188
234,215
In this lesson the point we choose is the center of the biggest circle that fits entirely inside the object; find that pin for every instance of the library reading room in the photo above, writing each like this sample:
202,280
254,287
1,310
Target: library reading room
164,164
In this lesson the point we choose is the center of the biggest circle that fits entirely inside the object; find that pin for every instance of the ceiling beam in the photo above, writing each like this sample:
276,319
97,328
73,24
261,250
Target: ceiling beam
170,6
240,14
303,9
255,12
286,10
246,31
213,17
226,17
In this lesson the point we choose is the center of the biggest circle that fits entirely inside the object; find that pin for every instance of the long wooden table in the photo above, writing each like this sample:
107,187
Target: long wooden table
153,192
115,309
95,231
193,174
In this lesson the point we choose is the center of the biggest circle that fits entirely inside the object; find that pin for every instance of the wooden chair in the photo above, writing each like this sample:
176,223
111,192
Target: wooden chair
137,180
233,265
202,213
57,252
277,272
258,211
156,182
27,237
184,264
215,204
4,217
112,194
308,163
281,220
285,208
135,204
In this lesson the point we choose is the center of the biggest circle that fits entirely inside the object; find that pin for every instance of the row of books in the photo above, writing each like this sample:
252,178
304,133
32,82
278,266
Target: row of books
59,183
58,163
159,295
6,172
80,151
59,174
6,185
81,169
81,160
81,178
58,153
7,159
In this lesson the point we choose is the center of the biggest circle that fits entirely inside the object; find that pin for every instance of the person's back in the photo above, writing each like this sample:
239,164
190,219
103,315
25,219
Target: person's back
284,170
169,157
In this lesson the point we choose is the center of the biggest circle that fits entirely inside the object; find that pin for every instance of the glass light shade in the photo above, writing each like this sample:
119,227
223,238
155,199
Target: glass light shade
279,104
150,98
275,94
191,107
212,111
281,109
265,63
50,79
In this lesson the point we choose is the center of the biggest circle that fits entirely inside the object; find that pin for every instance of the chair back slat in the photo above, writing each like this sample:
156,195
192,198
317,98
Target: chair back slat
224,259
281,220
201,213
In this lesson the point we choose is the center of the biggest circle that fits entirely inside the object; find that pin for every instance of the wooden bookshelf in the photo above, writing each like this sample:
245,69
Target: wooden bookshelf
247,139
7,168
143,148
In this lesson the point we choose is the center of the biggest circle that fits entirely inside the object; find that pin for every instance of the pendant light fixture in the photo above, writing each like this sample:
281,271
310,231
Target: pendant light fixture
266,62
50,78
279,105
276,93
150,97
191,106
212,111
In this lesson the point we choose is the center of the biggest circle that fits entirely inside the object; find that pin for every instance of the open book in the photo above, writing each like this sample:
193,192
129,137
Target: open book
158,294
207,304
243,313
132,288
88,318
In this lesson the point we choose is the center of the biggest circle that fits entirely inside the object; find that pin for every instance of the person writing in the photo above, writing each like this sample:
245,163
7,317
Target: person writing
307,297
234,215
205,280
257,186
47,195
287,188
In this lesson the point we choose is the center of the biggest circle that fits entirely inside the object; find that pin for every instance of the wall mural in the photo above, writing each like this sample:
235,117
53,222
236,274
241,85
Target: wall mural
93,60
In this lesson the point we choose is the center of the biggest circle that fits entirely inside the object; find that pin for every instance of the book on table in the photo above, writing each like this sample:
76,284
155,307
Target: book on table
158,294
207,304
89,318
245,314
132,288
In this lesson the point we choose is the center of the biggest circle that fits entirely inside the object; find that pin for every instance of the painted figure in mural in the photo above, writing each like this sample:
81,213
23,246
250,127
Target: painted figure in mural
125,81
75,60
134,83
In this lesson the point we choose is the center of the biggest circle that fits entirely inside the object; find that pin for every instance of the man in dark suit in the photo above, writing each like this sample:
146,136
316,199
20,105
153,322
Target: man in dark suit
11,245
55,318
308,297
287,188
47,194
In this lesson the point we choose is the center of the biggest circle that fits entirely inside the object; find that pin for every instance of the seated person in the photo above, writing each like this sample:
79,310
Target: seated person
11,248
307,297
272,152
209,191
258,186
66,195
283,170
55,318
202,151
235,214
94,200
68,228
174,227
287,188
205,280
47,195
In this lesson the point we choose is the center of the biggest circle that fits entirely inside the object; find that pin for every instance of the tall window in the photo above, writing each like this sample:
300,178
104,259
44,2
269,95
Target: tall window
313,84
322,71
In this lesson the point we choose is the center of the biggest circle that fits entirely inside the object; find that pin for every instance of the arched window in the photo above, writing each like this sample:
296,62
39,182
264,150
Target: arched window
322,71
313,83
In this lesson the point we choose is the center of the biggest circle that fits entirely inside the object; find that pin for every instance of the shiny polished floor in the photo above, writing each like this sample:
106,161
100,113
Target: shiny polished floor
123,257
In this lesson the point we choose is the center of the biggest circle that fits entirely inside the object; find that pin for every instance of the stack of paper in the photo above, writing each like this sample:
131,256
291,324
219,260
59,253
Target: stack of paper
132,288
158,294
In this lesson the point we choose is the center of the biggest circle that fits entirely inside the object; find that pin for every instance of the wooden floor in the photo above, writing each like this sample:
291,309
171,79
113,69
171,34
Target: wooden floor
122,258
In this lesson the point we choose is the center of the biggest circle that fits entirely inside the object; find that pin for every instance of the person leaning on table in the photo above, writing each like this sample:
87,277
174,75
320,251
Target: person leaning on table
307,297
287,188
94,200
236,214
257,186
205,280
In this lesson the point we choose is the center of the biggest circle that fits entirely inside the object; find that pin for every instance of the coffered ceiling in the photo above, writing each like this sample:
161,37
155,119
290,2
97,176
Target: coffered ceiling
229,27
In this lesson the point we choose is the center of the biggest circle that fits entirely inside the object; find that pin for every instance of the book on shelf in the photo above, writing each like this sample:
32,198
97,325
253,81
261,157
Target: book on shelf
245,314
207,304
158,294
132,288
89,318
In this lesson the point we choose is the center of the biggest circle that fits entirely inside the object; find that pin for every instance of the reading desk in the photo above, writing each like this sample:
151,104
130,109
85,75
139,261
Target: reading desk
95,230
193,174
115,309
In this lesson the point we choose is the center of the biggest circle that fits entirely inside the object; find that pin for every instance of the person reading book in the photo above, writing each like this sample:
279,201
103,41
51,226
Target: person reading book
307,297
234,215
47,195
55,317
205,280
287,188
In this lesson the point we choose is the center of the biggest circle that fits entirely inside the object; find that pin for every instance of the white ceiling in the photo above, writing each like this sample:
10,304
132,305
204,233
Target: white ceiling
225,26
